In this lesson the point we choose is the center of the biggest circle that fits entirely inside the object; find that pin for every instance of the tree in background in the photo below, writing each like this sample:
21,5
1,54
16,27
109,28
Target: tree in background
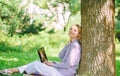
12,18
18,16
57,12
65,9
98,47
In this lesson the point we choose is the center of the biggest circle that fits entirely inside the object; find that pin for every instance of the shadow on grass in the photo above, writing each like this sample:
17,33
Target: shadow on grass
5,47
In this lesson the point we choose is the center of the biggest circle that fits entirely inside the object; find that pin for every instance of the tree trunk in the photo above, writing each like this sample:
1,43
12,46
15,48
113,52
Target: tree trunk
98,47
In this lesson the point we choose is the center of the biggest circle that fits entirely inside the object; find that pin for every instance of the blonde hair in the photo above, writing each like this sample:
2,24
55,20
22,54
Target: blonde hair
79,32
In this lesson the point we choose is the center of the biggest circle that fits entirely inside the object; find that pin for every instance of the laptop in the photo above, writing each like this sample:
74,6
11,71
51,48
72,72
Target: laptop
42,54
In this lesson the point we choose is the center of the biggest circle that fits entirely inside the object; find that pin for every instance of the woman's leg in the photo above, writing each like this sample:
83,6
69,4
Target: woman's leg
19,69
43,69
36,67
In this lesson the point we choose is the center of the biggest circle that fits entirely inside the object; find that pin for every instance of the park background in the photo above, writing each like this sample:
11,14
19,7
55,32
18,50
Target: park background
27,25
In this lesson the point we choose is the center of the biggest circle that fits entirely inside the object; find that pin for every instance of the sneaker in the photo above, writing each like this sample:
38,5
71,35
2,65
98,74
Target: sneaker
5,72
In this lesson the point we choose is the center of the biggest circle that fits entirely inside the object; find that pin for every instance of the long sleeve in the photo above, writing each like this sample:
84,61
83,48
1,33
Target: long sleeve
70,56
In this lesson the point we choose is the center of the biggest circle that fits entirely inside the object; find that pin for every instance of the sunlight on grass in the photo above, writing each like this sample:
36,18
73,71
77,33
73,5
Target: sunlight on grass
118,58
9,59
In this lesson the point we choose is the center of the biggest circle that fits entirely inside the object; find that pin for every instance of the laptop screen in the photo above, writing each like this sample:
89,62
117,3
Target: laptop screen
42,54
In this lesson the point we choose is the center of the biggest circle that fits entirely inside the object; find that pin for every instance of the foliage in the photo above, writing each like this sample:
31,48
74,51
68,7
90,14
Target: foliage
117,3
41,3
5,47
118,35
10,16
31,42
14,20
117,46
74,5
32,28
117,30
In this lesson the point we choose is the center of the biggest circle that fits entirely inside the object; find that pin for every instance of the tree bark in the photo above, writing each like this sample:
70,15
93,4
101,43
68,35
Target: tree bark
98,46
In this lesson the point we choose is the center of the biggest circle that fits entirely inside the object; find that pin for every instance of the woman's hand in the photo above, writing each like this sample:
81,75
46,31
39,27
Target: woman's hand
48,63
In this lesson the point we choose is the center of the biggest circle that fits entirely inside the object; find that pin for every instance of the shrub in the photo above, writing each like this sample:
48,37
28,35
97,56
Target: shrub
5,47
117,30
118,35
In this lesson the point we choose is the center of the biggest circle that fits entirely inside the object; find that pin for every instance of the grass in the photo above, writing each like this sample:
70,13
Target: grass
118,66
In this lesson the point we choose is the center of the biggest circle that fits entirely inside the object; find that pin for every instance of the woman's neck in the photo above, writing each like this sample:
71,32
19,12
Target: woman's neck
71,39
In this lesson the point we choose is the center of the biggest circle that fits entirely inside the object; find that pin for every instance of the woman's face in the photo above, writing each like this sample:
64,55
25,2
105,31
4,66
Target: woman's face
73,32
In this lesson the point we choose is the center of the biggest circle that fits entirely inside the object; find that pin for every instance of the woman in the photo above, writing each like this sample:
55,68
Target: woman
70,57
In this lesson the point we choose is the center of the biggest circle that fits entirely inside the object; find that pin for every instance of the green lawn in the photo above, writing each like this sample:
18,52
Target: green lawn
118,66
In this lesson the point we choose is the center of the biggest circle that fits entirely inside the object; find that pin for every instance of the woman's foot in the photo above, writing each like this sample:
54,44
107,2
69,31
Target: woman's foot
6,72
9,71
